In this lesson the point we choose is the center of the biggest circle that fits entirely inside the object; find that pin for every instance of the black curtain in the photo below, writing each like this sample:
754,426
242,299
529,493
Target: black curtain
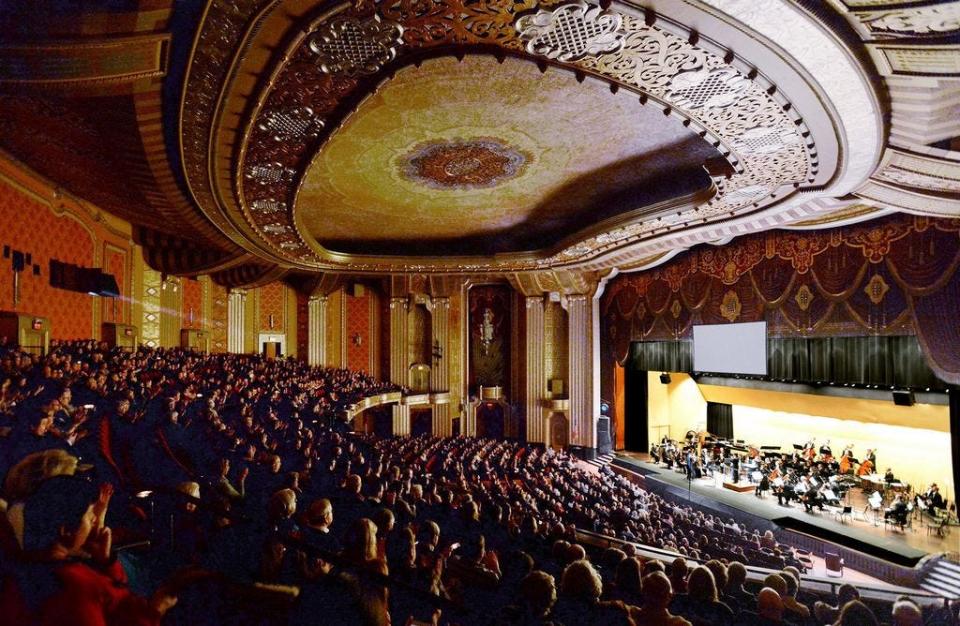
635,435
720,419
888,361
955,441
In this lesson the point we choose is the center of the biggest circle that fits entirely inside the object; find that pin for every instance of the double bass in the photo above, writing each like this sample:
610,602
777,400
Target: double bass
866,467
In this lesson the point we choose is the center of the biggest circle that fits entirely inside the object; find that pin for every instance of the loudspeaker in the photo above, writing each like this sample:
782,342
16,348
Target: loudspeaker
903,398
665,378
604,444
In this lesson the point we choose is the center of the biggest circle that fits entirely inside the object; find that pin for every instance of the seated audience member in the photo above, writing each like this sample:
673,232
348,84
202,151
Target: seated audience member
700,604
538,594
906,613
657,595
856,613
795,612
828,614
72,577
679,571
627,586
769,610
736,577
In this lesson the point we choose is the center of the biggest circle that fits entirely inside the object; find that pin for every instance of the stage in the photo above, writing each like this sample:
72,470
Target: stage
904,549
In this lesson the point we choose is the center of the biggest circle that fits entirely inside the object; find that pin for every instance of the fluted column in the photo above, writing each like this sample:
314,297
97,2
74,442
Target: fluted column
401,420
535,376
580,353
399,364
236,319
317,330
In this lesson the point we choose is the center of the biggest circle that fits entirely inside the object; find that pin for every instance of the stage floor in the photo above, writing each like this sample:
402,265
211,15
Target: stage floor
904,548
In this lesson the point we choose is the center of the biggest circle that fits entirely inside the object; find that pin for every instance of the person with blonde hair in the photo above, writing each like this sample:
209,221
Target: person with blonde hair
657,595
579,602
363,563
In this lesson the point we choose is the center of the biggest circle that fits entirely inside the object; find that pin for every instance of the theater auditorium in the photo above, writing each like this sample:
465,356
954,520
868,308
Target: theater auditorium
469,312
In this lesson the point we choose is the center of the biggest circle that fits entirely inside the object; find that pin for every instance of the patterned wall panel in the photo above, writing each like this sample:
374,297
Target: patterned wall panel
357,326
272,308
218,318
31,227
150,324
192,304
303,326
555,342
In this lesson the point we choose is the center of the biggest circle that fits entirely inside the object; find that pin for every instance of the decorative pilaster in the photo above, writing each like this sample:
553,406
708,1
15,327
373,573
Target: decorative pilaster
399,363
535,379
236,320
401,420
317,330
440,365
579,315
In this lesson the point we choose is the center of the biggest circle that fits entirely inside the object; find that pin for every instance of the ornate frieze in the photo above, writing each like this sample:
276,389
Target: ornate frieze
352,46
571,31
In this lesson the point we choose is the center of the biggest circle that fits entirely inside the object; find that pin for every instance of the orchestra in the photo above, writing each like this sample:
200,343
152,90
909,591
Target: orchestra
810,475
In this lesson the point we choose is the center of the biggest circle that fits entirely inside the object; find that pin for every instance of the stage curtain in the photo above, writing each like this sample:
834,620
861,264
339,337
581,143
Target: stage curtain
619,405
720,419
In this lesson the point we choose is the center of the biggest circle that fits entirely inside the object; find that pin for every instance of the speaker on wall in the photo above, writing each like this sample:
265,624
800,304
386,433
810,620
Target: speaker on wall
665,378
903,398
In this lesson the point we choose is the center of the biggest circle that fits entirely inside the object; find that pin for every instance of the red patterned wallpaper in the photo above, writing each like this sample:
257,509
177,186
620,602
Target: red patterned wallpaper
271,303
31,227
358,324
192,303
115,262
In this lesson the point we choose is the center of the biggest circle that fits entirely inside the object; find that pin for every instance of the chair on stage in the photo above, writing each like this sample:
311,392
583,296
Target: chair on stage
842,513
834,565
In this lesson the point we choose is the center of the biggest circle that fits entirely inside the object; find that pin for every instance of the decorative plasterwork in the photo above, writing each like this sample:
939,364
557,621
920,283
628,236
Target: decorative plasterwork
766,141
571,31
352,46
462,164
934,20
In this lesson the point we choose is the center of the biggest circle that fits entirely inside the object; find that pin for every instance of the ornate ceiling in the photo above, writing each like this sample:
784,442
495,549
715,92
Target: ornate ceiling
479,157
255,139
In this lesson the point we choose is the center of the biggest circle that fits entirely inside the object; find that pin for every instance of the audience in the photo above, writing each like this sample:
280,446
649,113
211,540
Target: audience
249,501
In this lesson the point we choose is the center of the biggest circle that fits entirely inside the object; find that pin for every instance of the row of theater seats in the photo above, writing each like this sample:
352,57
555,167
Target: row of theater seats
222,490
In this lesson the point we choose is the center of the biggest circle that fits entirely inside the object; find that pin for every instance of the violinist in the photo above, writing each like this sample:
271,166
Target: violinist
897,512
784,488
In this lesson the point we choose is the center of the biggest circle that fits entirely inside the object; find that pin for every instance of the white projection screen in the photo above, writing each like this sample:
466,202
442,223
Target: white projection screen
731,348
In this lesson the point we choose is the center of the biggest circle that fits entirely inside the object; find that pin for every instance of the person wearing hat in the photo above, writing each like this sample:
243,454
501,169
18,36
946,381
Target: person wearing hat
28,475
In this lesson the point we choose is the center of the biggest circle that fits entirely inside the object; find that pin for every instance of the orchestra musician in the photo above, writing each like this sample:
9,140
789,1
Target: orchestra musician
784,488
826,453
931,500
888,476
897,512
867,464
846,461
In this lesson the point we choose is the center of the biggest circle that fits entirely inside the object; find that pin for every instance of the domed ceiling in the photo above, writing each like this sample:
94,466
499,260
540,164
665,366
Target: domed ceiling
479,157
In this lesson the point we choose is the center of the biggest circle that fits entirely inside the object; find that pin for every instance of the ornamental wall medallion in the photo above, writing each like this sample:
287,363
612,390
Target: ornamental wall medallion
730,306
463,163
876,289
803,297
676,309
571,31
348,45
292,123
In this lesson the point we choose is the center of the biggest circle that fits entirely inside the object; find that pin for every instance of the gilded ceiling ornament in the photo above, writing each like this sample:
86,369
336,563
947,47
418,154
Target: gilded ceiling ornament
268,205
919,180
463,163
730,306
803,297
711,89
351,46
571,31
270,173
876,289
276,228
298,122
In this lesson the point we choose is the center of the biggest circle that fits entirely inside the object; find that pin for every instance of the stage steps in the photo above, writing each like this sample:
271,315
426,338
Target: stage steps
942,578
603,459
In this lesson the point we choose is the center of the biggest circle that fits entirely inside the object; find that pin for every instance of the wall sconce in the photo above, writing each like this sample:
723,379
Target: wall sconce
437,350
357,339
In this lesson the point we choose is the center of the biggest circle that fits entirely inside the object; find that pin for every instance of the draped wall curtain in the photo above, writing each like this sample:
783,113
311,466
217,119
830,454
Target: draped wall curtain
893,276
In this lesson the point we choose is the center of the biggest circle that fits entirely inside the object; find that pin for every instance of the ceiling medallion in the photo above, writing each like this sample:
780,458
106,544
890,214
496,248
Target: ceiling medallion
571,31
351,46
296,122
462,164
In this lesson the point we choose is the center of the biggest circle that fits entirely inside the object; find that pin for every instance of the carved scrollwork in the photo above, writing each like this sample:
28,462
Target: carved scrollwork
934,20
711,89
351,46
571,31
